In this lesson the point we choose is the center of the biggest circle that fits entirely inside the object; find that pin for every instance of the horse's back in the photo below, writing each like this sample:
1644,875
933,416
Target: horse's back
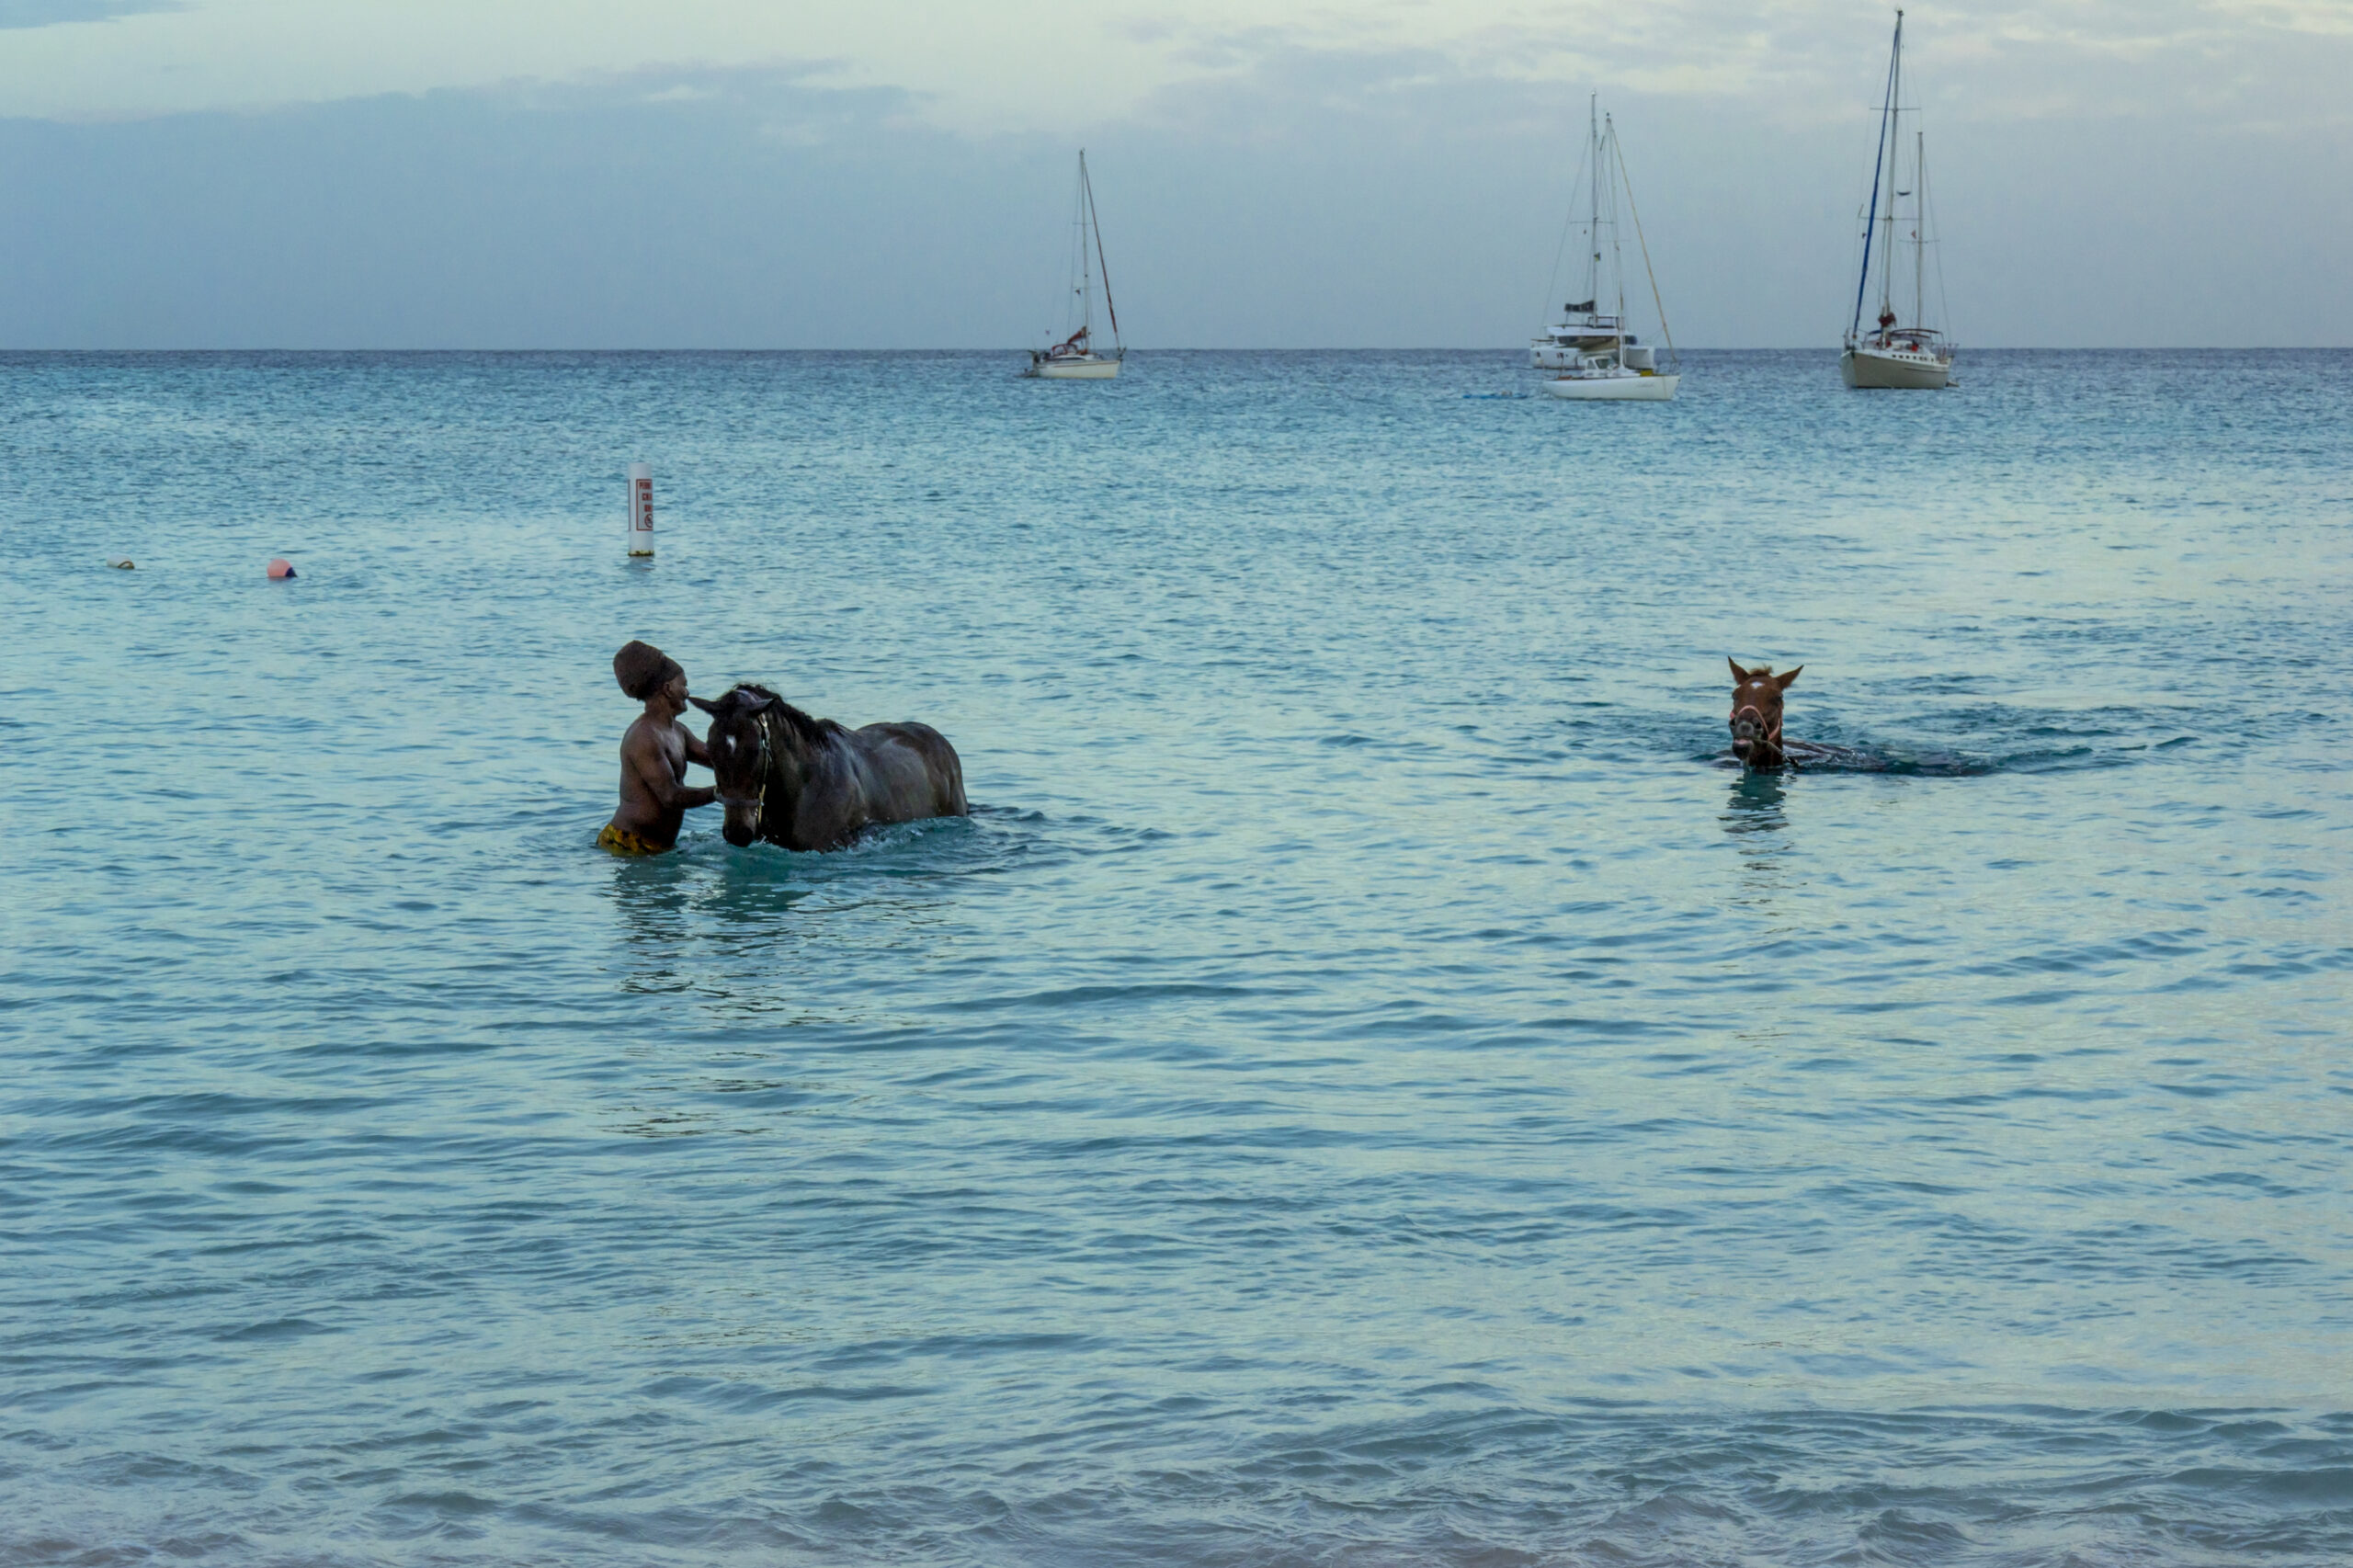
920,772
1834,758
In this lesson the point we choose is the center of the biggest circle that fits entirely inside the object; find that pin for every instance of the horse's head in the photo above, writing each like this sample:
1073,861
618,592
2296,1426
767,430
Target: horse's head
743,758
1756,713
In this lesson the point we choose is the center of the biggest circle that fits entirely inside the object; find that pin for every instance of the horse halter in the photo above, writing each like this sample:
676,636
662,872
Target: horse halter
1767,734
760,773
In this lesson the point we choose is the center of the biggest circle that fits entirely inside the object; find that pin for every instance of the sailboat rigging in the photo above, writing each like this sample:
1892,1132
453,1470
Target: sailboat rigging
1892,354
1075,357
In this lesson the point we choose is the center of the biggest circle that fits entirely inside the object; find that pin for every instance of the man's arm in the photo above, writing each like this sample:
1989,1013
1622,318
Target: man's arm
695,752
652,768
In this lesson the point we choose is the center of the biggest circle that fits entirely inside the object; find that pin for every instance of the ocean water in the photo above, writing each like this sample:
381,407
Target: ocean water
1368,1086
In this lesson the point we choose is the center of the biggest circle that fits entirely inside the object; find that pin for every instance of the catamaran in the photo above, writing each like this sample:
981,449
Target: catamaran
1595,356
1075,357
1892,354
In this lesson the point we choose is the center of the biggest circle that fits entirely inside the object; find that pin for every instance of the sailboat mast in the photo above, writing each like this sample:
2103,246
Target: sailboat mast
1879,158
1094,222
1896,151
1919,228
1592,196
1085,265
1617,251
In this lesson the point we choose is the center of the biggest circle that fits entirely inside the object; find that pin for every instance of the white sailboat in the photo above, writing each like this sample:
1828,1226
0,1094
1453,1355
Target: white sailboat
1597,359
1075,357
1892,354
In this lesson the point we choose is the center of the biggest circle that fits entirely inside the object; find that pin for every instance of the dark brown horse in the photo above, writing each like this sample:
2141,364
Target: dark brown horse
809,784
1757,716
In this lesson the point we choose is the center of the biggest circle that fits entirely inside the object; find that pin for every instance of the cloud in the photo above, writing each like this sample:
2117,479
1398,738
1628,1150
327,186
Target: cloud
27,14
2324,17
1796,62
1299,195
670,208
1070,67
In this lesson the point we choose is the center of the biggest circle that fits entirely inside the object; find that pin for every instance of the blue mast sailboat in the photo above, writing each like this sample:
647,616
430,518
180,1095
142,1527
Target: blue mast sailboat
1891,354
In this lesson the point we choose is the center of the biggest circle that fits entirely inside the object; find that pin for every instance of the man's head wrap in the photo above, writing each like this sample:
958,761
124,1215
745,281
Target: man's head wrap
643,669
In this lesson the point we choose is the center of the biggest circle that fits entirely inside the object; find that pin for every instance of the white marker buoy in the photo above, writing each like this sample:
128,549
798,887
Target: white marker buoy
640,509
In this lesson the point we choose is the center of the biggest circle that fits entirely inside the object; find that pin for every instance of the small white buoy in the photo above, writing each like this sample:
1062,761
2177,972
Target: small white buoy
121,563
640,509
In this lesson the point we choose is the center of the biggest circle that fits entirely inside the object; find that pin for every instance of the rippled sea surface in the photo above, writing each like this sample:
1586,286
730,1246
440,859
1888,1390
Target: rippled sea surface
1368,1086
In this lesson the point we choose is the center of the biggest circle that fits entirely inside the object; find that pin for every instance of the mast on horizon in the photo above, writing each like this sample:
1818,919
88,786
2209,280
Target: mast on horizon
1895,354
1879,163
1094,223
1593,221
1075,357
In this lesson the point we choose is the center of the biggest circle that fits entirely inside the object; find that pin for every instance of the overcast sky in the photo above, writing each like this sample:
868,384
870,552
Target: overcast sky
896,173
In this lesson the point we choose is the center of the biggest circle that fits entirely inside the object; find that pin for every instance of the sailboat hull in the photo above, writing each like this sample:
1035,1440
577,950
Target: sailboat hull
1869,368
1614,388
1087,369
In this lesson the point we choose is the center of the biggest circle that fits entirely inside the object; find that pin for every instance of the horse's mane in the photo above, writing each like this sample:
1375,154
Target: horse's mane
810,731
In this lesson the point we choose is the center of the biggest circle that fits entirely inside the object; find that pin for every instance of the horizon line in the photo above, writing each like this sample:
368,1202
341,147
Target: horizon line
1293,348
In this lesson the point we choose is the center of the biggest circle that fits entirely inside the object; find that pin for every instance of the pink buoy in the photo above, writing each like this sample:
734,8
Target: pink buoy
281,568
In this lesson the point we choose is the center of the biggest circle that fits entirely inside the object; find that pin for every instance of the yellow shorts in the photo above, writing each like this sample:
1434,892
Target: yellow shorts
621,841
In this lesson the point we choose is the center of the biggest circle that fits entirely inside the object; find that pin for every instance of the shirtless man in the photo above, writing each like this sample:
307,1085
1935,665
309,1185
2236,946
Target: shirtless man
655,754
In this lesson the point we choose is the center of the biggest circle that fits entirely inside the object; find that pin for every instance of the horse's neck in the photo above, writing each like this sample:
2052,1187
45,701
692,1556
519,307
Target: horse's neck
789,767
804,770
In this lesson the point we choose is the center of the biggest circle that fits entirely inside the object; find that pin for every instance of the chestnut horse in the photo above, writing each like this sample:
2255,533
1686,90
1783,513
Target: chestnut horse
809,784
1756,717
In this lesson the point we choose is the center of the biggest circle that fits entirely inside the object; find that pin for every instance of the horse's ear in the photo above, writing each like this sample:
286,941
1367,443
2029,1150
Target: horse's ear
710,708
1738,674
1783,681
761,703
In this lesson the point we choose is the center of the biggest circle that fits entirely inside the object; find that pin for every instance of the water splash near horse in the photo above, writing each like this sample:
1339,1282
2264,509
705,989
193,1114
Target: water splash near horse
1760,746
810,783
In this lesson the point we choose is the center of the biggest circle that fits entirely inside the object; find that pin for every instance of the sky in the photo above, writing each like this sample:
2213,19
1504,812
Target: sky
897,174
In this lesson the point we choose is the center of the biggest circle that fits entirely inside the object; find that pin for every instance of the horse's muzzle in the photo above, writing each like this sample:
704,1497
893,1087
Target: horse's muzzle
741,827
1747,730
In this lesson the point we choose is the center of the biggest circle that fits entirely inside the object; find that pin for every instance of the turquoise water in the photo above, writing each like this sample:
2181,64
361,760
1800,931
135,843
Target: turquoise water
1367,1085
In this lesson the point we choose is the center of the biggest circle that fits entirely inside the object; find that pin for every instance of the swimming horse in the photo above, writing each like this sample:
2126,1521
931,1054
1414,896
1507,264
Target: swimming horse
811,784
1757,718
